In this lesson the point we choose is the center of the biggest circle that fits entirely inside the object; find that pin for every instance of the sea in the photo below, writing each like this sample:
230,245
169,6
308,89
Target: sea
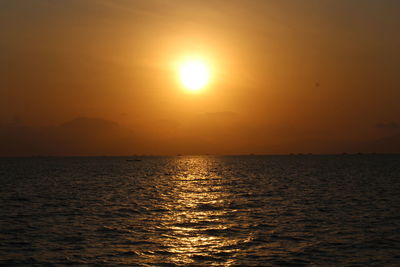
288,210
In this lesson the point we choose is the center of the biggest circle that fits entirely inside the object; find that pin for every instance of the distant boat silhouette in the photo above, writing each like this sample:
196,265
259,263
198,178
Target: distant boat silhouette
133,160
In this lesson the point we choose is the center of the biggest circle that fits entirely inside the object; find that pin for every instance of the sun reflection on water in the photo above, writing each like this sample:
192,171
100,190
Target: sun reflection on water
197,221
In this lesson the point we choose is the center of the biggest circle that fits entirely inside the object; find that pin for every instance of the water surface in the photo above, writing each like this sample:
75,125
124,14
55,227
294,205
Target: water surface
202,211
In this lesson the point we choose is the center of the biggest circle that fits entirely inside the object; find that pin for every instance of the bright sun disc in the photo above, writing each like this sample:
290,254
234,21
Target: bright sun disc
194,74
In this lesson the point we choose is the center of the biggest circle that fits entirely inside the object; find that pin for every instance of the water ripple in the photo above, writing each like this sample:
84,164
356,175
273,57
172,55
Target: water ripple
201,211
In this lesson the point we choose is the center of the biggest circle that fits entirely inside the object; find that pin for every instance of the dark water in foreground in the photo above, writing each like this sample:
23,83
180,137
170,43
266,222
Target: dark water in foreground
272,210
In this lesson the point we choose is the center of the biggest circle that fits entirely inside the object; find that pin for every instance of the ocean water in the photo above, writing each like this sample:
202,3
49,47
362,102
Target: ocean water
201,211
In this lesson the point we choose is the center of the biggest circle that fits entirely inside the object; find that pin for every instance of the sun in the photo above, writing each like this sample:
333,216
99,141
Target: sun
194,74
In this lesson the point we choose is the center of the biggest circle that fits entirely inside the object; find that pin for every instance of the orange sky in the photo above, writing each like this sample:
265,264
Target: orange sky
288,76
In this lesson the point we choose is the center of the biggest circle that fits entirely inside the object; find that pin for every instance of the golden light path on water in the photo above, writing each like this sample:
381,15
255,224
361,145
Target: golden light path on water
201,211
198,222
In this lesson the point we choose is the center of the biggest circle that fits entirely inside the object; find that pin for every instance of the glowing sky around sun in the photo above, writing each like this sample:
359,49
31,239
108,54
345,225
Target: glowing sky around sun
194,74
197,76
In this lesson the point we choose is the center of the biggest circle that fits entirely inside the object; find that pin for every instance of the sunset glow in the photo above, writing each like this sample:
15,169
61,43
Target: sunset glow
194,74
199,77
199,133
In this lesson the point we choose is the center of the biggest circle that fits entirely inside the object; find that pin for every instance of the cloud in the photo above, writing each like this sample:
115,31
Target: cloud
210,134
85,136
387,125
81,136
